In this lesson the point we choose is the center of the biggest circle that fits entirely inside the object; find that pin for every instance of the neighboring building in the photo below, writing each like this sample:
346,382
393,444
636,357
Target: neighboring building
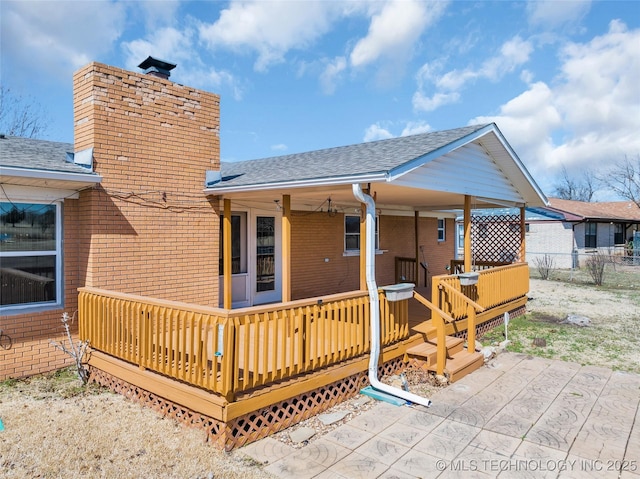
242,297
567,231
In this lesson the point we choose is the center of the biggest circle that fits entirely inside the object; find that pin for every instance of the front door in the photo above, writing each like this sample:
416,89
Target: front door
266,260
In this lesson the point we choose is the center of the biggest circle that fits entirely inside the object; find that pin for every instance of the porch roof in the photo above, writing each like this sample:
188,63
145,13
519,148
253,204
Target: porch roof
41,163
430,171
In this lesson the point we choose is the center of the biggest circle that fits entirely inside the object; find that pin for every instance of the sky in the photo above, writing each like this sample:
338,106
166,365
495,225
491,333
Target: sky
561,79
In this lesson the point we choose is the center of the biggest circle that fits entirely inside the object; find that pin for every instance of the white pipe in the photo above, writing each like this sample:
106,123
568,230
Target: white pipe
370,270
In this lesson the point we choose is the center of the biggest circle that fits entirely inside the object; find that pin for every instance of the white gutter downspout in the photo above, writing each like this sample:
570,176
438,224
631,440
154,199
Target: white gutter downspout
370,261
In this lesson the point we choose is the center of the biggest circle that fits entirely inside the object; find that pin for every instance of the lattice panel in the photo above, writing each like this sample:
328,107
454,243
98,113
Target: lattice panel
255,425
496,238
482,329
277,417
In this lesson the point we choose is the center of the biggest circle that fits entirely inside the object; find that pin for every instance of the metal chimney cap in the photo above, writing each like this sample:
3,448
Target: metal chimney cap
155,65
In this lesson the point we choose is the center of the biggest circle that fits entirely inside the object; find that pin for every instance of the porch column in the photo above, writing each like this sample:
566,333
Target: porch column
467,233
523,235
363,237
226,254
417,247
286,248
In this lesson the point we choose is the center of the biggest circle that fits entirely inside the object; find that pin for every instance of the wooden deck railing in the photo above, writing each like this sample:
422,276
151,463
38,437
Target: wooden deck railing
451,301
457,265
495,286
230,351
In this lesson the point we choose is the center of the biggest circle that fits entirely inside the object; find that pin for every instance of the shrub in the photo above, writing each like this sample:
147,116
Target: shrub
544,265
595,267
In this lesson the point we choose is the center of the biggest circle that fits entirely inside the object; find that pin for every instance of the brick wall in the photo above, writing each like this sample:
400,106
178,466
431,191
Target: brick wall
30,351
318,236
148,229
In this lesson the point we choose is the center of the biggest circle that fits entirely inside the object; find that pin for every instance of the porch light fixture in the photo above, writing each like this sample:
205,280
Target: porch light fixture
278,205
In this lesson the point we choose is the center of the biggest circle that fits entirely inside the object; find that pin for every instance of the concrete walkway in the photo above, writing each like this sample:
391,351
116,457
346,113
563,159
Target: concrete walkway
516,417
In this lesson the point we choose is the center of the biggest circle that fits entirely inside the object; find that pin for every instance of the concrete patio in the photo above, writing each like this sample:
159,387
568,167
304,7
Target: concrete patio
518,416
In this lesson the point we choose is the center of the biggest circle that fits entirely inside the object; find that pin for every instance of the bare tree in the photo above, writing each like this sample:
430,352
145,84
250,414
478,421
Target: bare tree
581,188
624,179
21,116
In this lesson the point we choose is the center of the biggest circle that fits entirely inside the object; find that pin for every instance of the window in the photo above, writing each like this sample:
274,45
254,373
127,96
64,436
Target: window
30,254
352,233
460,235
441,224
618,234
238,243
590,235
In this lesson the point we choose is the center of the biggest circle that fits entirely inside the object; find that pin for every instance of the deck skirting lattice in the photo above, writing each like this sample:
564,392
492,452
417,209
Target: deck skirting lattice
482,329
257,424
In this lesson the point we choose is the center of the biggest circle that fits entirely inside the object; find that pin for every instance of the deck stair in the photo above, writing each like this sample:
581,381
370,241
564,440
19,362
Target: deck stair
460,362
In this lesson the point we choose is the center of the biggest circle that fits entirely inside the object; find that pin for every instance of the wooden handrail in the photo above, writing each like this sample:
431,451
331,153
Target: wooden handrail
462,296
425,302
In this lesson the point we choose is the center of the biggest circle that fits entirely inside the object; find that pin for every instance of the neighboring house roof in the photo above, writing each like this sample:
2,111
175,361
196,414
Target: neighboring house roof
473,160
30,162
605,211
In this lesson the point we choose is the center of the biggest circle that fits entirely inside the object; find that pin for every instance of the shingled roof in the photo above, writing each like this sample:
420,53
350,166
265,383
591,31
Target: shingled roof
30,162
354,160
33,154
606,211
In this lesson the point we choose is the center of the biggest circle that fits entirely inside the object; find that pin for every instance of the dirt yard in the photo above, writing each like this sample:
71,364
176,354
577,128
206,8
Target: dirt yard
55,429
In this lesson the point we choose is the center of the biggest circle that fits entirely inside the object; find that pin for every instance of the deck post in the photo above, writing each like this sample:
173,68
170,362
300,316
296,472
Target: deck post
471,328
523,235
226,255
286,248
467,233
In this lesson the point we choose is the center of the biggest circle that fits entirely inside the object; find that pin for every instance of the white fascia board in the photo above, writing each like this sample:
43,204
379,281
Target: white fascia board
51,175
343,180
421,160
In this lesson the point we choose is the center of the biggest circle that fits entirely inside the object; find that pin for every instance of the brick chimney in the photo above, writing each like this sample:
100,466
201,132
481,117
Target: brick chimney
148,229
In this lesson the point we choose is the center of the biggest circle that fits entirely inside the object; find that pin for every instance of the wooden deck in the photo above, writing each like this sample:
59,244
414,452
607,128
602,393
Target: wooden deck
227,364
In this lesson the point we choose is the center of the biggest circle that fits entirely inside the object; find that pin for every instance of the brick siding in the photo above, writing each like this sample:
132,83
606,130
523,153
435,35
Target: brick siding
148,228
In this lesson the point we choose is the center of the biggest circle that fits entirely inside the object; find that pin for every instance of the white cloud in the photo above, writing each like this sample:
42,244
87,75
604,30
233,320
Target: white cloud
395,29
59,37
331,74
376,132
590,114
425,103
513,53
166,43
414,128
279,147
270,29
551,14
177,46
158,13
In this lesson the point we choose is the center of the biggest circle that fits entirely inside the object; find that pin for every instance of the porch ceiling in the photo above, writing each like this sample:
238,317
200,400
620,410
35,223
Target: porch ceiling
388,197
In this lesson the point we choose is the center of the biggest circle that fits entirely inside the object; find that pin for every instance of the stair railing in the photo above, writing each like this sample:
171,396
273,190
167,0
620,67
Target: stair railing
438,319
472,309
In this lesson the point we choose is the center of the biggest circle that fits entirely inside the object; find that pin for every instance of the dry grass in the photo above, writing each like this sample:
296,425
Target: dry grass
612,338
55,428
